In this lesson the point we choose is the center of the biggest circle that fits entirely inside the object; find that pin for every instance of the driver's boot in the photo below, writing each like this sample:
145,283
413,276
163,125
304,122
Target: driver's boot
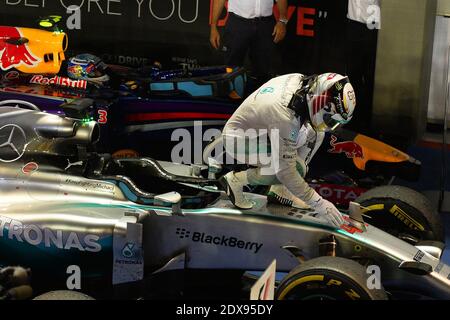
279,194
233,184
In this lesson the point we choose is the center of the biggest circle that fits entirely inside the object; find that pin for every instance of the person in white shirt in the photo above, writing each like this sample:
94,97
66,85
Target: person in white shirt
251,28
364,21
295,112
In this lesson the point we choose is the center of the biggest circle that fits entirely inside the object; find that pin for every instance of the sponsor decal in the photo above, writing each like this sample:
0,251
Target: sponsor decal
267,90
128,262
59,81
336,193
343,110
125,153
92,185
339,86
12,53
224,241
11,75
41,236
351,229
331,76
13,142
30,168
419,256
127,251
183,233
406,219
75,70
349,148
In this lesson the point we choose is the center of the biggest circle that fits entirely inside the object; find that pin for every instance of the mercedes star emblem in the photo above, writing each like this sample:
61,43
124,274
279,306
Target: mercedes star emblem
12,143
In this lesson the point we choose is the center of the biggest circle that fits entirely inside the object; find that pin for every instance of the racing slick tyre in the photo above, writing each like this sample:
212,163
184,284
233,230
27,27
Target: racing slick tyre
402,212
63,295
328,278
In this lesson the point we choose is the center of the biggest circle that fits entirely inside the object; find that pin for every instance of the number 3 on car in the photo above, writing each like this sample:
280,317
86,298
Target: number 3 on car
102,116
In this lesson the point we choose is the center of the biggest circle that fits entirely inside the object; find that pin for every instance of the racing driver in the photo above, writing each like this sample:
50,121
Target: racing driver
293,112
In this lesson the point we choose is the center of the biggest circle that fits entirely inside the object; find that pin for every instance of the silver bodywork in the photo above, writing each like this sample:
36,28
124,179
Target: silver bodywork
51,210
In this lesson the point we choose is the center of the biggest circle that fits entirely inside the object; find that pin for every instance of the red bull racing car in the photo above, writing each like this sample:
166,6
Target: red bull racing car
134,104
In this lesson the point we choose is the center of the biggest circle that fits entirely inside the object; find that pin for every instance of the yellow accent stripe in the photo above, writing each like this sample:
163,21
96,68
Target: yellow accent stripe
372,207
299,281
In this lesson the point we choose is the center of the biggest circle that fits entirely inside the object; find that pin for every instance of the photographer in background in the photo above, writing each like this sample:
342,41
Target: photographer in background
251,28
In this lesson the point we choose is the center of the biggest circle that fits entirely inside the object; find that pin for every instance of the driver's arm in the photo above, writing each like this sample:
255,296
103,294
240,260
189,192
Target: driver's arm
284,157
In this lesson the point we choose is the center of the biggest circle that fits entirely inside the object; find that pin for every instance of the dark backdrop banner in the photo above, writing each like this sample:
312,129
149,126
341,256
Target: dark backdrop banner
177,31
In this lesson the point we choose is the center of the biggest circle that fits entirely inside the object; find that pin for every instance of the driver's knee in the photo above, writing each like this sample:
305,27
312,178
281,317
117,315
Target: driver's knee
257,177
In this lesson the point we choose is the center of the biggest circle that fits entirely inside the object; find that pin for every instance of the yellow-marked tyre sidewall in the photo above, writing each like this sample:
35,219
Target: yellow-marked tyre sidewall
322,282
331,278
401,210
386,214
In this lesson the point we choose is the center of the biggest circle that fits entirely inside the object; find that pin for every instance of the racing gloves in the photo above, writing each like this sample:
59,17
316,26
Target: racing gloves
326,210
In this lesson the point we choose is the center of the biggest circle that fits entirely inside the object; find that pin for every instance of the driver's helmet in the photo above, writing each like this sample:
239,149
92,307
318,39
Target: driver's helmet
87,67
331,101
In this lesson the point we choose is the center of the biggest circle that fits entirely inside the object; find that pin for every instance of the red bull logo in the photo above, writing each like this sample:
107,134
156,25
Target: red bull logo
59,81
350,148
14,51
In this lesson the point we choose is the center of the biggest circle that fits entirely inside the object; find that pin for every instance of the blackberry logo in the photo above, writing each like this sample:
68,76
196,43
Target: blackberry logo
183,233
224,241
419,255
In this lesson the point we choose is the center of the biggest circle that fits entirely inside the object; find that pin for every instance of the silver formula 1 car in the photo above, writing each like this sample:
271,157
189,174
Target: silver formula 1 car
68,212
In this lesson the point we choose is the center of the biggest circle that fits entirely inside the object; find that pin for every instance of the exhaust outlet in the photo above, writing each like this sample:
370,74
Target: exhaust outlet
87,133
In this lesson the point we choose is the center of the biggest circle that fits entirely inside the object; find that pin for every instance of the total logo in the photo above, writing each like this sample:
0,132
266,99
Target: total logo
224,241
337,193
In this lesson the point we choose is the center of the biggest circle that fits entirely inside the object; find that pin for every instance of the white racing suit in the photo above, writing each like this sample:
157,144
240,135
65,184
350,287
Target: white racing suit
291,149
